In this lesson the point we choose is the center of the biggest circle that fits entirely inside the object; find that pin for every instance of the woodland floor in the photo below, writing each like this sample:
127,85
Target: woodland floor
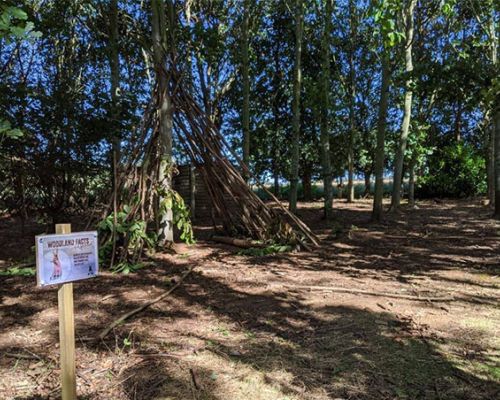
248,327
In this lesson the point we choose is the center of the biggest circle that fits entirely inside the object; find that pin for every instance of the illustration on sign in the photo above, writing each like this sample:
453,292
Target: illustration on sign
66,258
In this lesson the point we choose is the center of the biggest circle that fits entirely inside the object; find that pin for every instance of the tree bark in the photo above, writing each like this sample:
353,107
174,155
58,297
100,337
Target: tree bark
307,185
411,185
165,229
403,139
380,149
297,81
352,100
326,168
245,114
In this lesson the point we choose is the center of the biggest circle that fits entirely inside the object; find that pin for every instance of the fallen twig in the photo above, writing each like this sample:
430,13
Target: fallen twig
108,296
24,356
137,310
193,378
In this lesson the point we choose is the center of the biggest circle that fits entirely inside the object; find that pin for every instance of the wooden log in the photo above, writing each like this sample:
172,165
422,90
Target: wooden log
243,243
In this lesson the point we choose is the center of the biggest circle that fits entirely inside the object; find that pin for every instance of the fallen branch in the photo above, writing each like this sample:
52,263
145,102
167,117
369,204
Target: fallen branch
137,310
370,293
243,243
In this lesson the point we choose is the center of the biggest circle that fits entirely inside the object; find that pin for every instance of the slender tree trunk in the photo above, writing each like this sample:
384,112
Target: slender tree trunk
490,168
458,122
367,182
326,168
411,185
245,114
352,100
114,63
403,139
497,160
307,185
492,148
277,190
297,80
275,156
380,149
165,229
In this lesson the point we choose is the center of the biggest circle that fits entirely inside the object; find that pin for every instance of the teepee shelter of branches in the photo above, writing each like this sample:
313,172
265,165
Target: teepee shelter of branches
249,214
241,211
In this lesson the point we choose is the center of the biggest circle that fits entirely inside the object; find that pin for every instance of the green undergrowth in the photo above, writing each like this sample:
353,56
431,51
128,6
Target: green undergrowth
23,267
18,271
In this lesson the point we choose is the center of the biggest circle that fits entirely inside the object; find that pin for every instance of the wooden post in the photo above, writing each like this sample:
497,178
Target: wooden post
67,333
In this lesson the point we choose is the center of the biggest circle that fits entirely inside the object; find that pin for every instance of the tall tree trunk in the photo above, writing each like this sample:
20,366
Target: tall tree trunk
411,184
490,168
297,80
380,149
326,168
496,117
492,148
245,114
277,190
367,182
307,184
114,64
275,155
165,229
352,100
458,121
403,139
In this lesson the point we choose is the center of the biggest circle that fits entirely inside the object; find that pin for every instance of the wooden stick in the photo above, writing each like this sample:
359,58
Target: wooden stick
137,310
67,332
370,293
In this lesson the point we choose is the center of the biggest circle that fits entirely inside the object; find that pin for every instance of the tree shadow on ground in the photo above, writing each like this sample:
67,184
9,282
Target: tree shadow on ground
330,352
412,242
306,351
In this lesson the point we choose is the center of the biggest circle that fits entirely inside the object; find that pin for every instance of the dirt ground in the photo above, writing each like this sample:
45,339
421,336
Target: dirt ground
358,319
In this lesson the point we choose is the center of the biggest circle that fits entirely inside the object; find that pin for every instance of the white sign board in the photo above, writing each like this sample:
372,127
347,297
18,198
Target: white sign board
66,258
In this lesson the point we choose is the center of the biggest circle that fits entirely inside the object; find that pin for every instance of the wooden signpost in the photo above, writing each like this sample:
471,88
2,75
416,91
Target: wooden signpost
61,259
